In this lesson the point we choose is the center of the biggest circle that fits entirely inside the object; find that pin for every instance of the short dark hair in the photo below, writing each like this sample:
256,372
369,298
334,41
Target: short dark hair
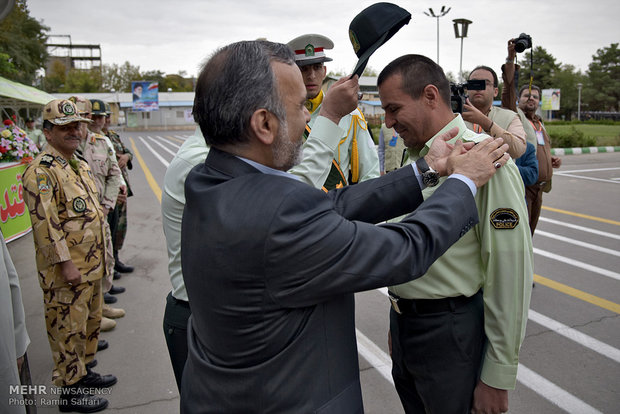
524,87
417,72
236,81
488,69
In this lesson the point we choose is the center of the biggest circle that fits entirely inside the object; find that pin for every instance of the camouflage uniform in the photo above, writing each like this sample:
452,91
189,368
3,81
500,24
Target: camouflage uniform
68,223
118,223
102,161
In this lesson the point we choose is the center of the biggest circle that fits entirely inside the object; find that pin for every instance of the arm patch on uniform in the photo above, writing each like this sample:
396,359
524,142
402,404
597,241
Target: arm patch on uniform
43,184
504,218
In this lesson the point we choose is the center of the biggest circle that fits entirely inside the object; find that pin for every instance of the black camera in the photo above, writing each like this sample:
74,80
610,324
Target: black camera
459,96
523,42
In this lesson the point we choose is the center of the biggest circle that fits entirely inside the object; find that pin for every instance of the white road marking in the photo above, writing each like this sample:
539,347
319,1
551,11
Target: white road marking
155,153
162,146
582,228
552,392
167,141
574,335
577,263
578,243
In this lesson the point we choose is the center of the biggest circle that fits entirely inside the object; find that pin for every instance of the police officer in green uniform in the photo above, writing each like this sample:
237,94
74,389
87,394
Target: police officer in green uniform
36,135
68,232
456,331
356,158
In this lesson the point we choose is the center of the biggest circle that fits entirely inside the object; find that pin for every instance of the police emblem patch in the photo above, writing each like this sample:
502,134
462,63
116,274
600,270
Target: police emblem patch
43,183
504,218
79,205
309,50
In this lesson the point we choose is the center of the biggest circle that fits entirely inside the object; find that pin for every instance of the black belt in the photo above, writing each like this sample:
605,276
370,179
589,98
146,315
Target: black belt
424,306
171,299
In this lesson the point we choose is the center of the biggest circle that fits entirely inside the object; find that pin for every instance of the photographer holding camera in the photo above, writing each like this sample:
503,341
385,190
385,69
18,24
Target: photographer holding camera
481,116
529,99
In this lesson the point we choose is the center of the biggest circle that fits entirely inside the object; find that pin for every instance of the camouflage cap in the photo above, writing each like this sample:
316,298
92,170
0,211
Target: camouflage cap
83,105
62,112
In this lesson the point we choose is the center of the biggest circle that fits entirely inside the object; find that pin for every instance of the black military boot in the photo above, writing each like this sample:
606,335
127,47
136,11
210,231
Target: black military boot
120,266
94,380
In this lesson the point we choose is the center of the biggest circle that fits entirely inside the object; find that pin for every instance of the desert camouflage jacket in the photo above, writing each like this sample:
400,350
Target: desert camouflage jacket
67,219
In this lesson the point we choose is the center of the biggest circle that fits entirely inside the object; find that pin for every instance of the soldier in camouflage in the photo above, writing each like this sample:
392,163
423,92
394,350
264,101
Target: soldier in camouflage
97,151
68,231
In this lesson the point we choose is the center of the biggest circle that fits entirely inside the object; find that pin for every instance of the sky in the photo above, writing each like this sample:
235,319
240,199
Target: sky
174,36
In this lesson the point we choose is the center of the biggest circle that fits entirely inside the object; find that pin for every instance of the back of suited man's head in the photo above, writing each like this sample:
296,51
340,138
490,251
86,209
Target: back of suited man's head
235,82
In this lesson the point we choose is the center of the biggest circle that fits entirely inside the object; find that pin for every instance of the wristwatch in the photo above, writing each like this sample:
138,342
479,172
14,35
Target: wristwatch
430,177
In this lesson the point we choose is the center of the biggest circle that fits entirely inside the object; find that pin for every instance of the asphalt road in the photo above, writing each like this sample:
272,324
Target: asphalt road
570,359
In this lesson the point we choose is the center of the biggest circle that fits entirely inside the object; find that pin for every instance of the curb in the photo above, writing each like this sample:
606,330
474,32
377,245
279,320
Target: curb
585,150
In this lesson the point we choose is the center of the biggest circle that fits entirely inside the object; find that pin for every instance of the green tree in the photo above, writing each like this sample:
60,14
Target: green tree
566,79
602,91
22,45
55,77
119,77
544,68
83,81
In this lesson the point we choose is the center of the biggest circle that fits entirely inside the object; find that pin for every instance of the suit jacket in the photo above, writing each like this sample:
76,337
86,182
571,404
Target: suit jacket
271,265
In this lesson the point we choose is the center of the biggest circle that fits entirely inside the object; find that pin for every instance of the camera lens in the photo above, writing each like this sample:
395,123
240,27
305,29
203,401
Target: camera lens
520,45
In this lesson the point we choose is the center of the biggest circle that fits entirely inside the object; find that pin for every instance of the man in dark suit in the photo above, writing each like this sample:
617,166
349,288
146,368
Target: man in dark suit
271,264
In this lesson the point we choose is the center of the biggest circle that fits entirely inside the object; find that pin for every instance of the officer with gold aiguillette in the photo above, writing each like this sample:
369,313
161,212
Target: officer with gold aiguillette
68,232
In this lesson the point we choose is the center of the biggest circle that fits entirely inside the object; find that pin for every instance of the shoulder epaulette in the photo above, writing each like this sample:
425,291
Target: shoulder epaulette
47,160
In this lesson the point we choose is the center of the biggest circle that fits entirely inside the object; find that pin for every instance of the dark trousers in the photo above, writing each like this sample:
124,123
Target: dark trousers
175,330
533,199
436,357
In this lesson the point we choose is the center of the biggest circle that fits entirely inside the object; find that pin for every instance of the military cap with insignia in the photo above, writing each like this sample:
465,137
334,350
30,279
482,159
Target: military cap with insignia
62,112
83,105
98,106
310,49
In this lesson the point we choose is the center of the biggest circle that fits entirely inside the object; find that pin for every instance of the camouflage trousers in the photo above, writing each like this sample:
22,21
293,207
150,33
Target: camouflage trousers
109,259
73,319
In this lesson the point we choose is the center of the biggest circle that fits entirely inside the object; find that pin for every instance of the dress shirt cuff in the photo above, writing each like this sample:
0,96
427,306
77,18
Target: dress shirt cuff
470,183
461,177
496,375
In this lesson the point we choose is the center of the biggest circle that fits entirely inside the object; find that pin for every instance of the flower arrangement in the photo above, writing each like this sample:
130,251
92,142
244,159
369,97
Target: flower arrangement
15,144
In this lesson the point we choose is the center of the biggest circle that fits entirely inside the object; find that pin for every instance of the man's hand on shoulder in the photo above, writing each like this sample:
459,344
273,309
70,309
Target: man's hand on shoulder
489,400
341,99
479,163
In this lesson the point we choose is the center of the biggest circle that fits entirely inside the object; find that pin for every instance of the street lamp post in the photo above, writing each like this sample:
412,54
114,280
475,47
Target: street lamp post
460,32
441,13
579,86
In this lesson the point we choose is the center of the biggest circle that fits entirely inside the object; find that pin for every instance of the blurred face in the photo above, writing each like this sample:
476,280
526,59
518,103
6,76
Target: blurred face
409,117
528,101
483,99
98,123
287,146
30,125
313,76
65,138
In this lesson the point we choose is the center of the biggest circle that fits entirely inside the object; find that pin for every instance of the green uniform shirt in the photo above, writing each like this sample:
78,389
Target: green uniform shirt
495,256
